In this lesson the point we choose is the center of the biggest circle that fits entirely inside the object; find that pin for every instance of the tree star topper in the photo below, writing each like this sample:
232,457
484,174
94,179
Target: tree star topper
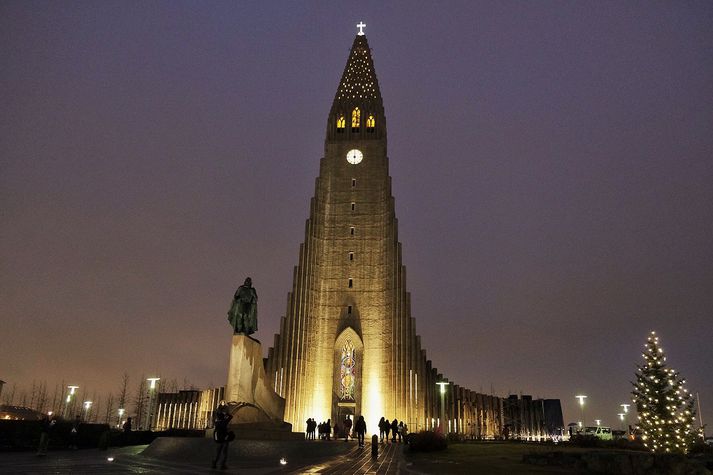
361,26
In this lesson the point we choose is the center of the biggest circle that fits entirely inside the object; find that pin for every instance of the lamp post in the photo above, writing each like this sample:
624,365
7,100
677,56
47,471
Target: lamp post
121,416
72,390
598,421
626,415
621,418
581,398
443,385
153,382
87,407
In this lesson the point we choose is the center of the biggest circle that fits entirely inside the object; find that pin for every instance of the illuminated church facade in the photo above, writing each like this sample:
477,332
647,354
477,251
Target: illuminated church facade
347,344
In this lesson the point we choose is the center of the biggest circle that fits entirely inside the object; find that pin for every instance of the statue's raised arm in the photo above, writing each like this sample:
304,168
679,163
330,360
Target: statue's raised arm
243,310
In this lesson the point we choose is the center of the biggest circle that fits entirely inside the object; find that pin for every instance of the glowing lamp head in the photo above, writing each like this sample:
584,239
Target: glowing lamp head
581,398
152,382
443,385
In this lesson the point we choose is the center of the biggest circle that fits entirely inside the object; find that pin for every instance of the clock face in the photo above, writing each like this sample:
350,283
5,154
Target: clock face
354,156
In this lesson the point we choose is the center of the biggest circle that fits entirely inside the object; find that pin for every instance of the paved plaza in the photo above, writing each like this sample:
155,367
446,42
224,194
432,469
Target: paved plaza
352,460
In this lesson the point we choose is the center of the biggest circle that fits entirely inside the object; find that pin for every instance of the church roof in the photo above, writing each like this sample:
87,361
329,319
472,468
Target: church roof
359,78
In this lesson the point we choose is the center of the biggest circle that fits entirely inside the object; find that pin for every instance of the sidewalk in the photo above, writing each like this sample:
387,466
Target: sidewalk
124,460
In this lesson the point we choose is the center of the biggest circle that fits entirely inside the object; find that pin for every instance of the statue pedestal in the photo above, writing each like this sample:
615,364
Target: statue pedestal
258,412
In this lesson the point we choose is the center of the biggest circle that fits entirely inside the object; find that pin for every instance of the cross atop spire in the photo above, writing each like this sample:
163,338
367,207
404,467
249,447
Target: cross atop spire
361,26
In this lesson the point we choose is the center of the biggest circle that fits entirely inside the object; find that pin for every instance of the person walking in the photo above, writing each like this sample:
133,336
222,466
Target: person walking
382,429
387,428
328,429
394,430
222,438
347,428
360,429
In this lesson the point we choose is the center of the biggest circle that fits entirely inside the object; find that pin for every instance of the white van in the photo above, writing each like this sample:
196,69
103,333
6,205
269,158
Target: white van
604,433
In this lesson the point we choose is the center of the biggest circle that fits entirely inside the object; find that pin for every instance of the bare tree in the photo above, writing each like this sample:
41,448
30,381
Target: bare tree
172,386
10,399
123,390
42,397
109,410
140,402
95,408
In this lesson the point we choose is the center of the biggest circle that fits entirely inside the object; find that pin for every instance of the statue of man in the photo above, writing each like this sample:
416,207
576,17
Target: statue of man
243,311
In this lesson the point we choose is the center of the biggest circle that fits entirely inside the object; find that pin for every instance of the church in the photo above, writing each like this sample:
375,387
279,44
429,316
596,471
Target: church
347,345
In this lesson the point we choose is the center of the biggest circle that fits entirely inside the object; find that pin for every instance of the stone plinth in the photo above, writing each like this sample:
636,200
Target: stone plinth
253,403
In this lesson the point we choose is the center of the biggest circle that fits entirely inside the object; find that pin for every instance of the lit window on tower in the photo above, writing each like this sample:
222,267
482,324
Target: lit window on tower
370,123
341,123
347,372
356,119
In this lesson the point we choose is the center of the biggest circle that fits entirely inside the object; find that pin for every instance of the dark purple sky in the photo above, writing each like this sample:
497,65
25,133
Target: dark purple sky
552,165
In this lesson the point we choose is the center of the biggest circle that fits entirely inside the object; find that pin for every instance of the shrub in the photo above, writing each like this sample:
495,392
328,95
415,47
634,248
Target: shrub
427,441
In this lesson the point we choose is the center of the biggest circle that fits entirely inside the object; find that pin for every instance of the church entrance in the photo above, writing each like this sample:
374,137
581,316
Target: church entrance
348,358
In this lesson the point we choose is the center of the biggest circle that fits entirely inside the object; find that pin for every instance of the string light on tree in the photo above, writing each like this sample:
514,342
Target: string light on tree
666,408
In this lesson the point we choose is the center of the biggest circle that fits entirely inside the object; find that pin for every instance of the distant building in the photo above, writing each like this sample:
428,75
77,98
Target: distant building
19,413
186,409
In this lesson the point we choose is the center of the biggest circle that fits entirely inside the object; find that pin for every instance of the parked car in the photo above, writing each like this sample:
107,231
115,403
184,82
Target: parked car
604,433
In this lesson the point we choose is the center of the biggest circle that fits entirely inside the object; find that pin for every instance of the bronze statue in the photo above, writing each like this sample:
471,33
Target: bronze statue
243,311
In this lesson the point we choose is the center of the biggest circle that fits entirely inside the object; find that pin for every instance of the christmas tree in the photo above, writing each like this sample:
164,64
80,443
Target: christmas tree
665,407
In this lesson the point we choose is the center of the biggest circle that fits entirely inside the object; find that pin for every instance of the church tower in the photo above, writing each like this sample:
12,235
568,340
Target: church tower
347,343
342,343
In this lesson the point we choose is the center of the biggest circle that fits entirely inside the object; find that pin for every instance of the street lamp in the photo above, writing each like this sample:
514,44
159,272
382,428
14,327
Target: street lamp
72,390
153,382
581,398
626,415
87,406
598,421
121,416
443,385
621,418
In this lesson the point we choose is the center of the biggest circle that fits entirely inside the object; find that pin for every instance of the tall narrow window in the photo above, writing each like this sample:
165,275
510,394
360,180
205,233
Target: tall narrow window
356,119
349,309
351,283
370,123
351,255
351,230
341,123
347,372
353,206
353,182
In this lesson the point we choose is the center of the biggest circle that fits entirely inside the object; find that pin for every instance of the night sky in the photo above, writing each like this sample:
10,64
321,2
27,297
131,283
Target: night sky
552,166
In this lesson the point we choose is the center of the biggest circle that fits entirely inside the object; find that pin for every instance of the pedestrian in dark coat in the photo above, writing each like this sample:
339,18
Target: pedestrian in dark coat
382,429
46,429
360,429
394,430
222,438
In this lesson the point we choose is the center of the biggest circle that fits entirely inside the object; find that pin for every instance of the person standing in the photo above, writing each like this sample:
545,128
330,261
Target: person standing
46,428
394,430
328,429
387,428
127,425
221,437
382,429
360,429
347,428
74,434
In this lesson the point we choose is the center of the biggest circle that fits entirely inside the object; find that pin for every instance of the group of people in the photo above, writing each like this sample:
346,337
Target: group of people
398,430
324,429
348,429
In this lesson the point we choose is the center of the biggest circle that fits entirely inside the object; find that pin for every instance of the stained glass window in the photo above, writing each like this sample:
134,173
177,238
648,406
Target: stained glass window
347,373
370,122
341,123
356,118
